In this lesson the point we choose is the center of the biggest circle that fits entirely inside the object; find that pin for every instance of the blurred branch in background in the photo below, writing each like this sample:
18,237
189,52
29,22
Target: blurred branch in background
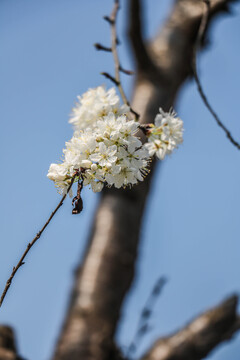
145,317
196,340
201,32
8,349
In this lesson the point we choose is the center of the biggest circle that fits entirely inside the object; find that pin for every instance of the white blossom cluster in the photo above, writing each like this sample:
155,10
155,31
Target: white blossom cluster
165,134
104,149
94,104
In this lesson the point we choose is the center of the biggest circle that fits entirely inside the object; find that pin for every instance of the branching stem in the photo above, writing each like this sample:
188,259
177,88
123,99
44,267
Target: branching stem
30,245
200,35
114,41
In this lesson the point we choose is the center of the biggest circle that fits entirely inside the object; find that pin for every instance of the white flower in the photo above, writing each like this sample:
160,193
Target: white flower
57,172
96,186
108,154
62,187
157,147
165,135
95,104
124,178
105,156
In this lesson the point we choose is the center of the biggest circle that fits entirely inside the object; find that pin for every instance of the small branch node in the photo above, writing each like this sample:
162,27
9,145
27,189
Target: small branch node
110,77
101,47
108,19
127,72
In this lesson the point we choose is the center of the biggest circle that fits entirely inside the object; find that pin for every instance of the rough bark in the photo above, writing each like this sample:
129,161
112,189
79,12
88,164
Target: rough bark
107,271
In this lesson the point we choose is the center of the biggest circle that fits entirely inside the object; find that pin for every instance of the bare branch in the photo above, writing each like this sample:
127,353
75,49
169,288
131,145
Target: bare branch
30,245
201,32
114,50
118,68
143,324
201,336
102,47
172,48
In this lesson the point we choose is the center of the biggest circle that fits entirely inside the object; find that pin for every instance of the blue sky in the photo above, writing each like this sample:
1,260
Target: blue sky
191,226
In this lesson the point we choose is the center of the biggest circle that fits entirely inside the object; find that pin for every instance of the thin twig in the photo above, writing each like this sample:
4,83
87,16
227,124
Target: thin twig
110,77
200,35
112,22
143,323
125,71
99,46
30,245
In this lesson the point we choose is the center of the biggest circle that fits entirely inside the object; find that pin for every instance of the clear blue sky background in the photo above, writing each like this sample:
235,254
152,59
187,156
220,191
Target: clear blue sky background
191,228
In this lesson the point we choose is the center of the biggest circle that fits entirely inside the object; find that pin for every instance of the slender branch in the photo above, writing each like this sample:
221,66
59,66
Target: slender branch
30,245
114,50
143,323
200,35
118,68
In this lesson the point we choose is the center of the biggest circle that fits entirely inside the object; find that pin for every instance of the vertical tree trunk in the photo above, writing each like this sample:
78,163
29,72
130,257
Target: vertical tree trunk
107,271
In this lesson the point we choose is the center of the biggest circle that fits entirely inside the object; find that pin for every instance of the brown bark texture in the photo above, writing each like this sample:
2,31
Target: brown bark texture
106,273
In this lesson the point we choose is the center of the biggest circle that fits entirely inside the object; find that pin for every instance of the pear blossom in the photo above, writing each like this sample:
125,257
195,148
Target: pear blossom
165,135
109,154
106,155
57,172
156,147
94,104
105,150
